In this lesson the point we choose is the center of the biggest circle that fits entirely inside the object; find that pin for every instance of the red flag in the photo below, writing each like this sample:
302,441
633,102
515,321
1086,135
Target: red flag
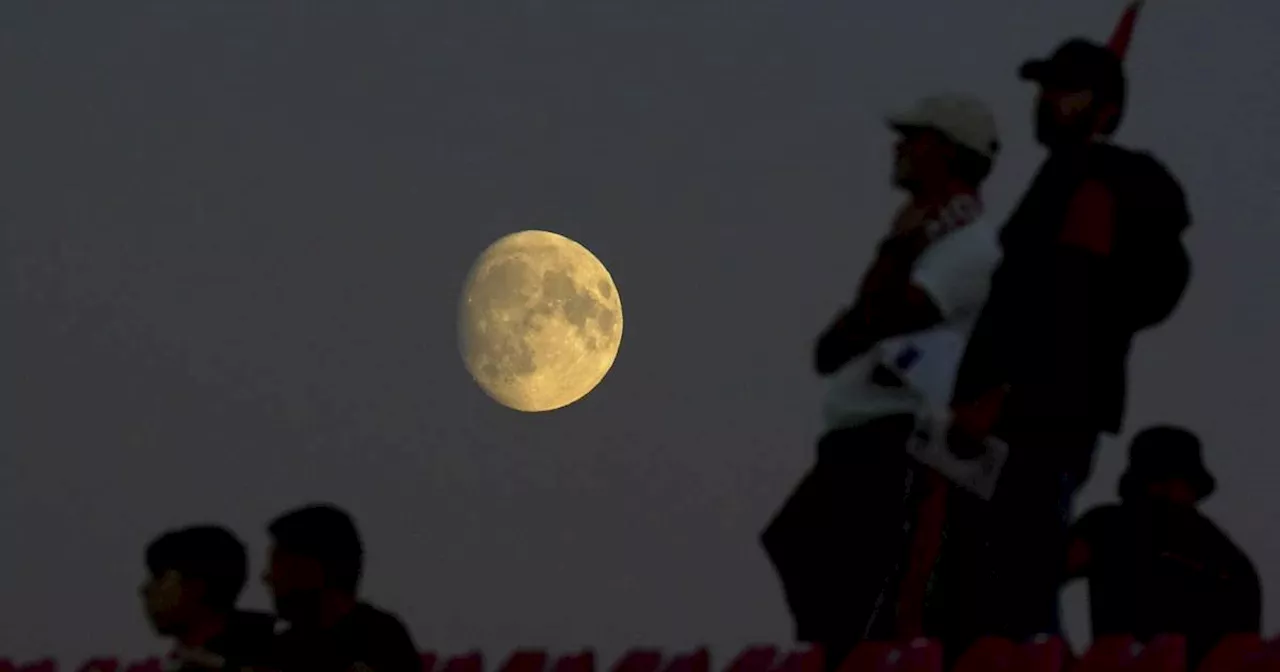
1123,34
1165,653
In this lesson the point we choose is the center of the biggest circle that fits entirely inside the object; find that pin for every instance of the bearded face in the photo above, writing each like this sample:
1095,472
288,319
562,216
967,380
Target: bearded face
1065,117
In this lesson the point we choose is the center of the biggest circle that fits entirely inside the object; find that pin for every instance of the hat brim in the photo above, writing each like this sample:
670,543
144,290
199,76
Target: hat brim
1035,70
1202,482
902,122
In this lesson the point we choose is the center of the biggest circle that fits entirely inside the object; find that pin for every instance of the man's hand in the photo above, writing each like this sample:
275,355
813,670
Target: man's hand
972,423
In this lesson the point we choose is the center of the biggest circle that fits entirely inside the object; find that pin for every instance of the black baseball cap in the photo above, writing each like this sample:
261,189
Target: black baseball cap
1079,64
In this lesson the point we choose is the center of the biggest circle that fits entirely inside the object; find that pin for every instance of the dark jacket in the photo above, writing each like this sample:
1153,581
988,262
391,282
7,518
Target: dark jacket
1059,322
1154,570
366,635
246,641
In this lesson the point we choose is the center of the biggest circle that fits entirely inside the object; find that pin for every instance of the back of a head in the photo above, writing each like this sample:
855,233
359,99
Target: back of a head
326,534
210,554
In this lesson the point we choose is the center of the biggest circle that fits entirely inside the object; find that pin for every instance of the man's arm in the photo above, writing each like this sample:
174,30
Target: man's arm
1079,556
1242,594
856,330
951,276
1084,246
1082,540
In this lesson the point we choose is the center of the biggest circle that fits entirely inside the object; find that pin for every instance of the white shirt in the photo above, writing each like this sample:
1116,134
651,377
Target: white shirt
955,271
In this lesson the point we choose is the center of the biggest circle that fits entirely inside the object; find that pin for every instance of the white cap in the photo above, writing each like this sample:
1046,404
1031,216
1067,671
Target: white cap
965,120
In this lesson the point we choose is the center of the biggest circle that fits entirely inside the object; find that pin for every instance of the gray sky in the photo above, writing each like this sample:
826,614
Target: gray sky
235,233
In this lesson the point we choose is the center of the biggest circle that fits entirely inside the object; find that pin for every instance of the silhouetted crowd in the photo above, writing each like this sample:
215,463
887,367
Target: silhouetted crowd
971,379
196,575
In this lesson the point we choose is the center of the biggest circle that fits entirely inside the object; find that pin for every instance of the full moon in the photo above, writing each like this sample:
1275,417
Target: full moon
540,321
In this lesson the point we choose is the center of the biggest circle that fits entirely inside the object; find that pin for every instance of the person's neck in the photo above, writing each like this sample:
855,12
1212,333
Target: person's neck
1164,505
939,194
1079,146
333,608
204,629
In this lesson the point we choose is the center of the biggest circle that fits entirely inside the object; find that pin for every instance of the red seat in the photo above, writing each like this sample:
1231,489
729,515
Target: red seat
100,665
871,657
989,654
639,660
467,662
583,661
1109,654
698,661
754,659
1233,652
526,660
1265,659
1271,655
43,665
1164,653
1044,653
428,660
148,665
808,660
919,655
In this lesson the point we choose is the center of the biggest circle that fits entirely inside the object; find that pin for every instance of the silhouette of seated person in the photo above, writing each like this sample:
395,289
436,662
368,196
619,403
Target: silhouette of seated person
196,575
1154,563
316,562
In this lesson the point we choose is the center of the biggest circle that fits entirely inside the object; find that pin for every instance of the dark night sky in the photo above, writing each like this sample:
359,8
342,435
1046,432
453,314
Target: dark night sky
235,233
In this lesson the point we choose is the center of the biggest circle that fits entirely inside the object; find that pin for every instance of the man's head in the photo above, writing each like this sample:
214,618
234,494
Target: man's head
1166,467
193,572
944,140
1082,93
315,550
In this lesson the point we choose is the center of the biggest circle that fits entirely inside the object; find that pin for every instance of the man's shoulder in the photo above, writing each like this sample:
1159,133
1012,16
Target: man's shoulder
381,640
1221,542
1138,168
248,638
1100,520
371,619
253,621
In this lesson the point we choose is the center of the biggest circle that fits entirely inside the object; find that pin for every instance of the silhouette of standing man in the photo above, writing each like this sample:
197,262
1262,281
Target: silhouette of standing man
1154,563
838,538
196,575
1092,256
316,561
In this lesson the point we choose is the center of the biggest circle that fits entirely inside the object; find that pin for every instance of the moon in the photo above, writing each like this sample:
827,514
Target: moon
540,321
